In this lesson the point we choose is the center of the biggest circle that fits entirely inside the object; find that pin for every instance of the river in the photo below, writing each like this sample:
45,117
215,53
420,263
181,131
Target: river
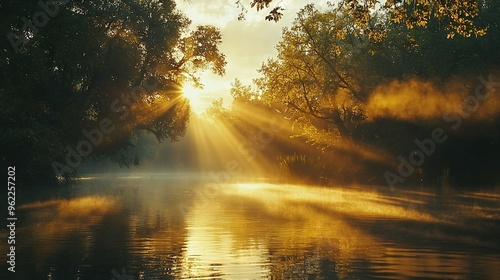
185,226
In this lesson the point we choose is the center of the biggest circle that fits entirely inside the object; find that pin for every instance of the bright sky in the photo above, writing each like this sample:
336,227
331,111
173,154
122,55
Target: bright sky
246,44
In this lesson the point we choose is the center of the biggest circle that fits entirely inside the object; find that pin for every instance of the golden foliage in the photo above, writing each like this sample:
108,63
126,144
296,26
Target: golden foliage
456,15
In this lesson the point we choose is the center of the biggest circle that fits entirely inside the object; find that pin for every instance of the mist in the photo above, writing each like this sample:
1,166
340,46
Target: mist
416,99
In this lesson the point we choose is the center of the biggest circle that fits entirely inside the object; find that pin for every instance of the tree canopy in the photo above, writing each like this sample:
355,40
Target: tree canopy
456,16
328,77
77,71
318,70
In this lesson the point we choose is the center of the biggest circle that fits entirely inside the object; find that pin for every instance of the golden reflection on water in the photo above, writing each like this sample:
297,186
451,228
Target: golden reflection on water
254,231
290,224
255,224
214,249
58,217
283,198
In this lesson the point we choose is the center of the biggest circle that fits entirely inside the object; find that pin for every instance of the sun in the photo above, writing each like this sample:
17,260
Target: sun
193,95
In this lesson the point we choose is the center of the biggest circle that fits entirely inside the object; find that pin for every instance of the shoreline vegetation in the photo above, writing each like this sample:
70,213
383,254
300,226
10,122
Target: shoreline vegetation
412,107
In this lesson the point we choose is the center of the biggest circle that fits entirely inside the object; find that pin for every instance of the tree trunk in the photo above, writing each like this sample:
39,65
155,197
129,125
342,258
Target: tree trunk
337,120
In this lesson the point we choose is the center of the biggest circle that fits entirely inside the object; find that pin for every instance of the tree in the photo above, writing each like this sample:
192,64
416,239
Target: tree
326,69
457,16
318,74
81,77
426,52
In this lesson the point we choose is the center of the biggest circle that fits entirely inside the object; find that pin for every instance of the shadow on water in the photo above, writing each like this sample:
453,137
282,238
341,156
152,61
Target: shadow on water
132,226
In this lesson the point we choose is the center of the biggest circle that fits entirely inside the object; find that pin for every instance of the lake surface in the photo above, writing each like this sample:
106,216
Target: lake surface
158,226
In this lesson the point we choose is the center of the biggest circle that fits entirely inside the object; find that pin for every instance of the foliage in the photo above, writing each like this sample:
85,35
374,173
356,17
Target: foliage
427,53
302,168
318,72
326,69
119,61
457,16
243,93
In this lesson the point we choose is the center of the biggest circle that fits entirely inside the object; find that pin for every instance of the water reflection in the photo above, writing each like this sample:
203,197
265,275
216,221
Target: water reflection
256,231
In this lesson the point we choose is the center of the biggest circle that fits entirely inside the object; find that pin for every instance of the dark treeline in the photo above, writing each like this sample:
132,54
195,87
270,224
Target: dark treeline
96,79
82,79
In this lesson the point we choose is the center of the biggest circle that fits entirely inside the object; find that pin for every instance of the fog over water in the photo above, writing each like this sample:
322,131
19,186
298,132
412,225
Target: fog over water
185,226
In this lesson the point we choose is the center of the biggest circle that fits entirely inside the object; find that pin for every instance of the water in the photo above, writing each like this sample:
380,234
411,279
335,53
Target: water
156,226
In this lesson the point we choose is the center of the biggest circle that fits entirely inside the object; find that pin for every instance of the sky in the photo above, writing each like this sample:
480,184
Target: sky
246,44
